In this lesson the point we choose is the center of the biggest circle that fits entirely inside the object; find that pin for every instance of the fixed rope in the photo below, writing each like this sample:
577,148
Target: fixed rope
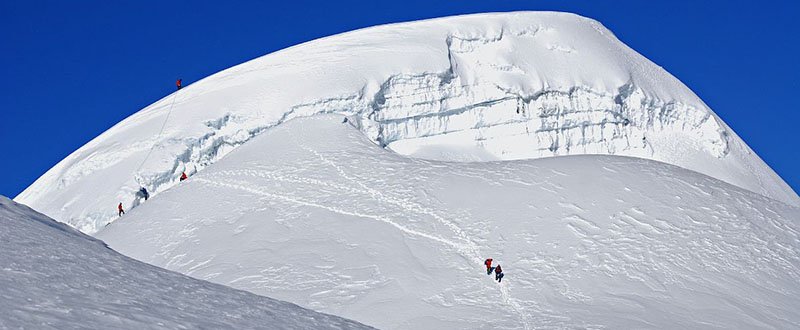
158,138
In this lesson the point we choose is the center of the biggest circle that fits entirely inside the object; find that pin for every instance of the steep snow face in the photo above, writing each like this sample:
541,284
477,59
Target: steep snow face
313,213
54,277
470,88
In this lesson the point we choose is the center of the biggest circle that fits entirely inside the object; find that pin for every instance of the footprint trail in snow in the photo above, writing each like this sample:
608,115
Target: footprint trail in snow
315,214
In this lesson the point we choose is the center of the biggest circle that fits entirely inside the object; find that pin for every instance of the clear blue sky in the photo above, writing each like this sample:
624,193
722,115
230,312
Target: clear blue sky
72,69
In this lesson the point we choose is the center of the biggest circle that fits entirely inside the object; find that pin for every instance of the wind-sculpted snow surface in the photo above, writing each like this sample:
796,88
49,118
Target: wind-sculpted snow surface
470,88
53,277
314,213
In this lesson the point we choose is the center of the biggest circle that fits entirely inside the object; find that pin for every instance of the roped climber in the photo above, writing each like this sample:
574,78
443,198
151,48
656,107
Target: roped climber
121,211
178,84
498,273
143,192
488,264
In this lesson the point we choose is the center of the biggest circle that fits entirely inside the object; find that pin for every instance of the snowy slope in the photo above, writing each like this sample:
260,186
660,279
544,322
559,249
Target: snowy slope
470,88
53,277
314,213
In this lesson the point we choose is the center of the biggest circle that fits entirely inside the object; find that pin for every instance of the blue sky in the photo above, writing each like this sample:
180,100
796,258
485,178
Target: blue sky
71,70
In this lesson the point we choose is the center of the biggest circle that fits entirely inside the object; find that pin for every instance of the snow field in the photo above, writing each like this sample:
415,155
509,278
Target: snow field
314,213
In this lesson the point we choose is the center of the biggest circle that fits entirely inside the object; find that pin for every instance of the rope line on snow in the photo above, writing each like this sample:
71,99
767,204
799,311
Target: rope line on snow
160,132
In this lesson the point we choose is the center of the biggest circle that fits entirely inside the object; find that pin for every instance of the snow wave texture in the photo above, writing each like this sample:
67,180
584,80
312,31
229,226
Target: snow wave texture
468,88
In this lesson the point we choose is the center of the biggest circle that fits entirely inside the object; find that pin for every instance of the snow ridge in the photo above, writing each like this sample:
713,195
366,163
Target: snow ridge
54,277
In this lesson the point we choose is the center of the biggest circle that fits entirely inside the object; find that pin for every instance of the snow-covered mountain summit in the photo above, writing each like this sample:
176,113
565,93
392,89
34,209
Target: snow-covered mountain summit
376,219
478,87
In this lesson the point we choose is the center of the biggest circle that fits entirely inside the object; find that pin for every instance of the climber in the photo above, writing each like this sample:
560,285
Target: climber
121,211
143,193
183,176
488,264
178,84
498,273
